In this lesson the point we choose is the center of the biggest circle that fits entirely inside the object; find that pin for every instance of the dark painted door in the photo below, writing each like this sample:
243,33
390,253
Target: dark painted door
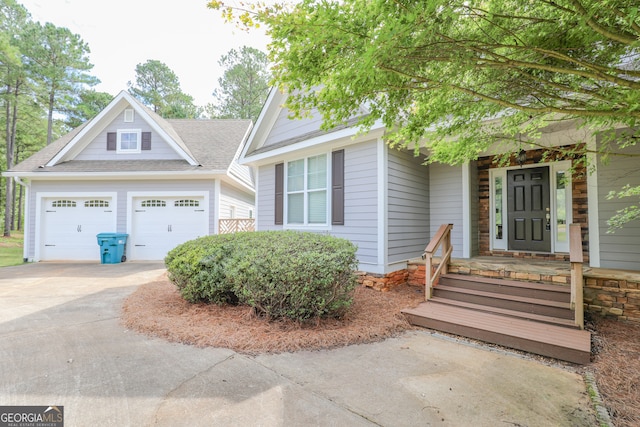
528,209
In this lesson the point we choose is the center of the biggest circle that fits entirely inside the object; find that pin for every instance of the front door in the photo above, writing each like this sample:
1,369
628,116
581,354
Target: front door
528,209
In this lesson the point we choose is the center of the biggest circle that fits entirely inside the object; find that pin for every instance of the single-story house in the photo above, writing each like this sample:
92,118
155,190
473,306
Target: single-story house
130,171
508,227
387,201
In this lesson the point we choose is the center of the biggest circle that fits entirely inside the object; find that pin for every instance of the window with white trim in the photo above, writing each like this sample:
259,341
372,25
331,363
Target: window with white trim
306,191
128,141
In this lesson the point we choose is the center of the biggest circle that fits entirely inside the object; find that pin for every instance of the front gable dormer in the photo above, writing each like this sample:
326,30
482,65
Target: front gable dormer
125,130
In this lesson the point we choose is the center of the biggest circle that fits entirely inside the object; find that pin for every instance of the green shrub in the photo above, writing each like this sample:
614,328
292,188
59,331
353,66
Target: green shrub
197,269
279,273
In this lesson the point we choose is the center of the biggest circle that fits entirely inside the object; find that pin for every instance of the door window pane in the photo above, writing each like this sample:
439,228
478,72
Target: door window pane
561,206
497,186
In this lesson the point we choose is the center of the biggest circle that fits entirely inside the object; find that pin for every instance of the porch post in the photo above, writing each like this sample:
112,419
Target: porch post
577,281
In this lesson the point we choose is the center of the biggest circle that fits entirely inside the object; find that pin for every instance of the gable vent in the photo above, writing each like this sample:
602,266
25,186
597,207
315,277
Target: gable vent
128,115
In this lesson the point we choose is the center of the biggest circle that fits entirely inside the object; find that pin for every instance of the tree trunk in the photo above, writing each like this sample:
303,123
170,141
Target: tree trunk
20,197
13,205
10,136
50,118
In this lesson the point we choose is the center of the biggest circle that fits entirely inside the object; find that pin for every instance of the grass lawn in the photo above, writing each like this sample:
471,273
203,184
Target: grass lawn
11,249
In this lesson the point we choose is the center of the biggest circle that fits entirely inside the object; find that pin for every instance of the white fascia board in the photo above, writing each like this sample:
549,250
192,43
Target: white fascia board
168,139
237,182
268,116
108,112
97,119
340,138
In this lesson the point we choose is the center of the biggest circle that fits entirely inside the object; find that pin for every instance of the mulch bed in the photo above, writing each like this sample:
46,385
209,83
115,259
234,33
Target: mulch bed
157,309
616,368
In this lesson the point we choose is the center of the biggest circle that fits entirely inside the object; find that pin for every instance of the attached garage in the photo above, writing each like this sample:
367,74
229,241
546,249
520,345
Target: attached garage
69,225
160,223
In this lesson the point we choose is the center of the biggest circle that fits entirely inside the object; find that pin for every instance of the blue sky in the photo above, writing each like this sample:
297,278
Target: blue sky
184,34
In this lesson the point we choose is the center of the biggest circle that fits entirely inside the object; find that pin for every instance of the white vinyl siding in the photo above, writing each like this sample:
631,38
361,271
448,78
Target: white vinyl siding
445,207
620,249
408,206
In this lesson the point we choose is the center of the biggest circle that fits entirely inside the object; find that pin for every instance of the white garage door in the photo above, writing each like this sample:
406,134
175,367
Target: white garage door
161,223
70,225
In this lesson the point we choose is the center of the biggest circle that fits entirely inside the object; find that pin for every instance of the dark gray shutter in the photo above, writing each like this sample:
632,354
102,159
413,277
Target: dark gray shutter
146,141
112,140
337,187
279,209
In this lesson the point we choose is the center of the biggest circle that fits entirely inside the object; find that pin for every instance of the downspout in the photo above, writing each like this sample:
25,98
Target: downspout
25,246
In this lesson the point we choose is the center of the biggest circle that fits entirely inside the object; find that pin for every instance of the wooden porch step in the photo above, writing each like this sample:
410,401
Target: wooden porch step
567,323
505,301
559,342
546,291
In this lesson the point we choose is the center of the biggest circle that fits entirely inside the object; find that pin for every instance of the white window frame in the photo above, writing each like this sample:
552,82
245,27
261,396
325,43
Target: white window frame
554,167
305,191
138,148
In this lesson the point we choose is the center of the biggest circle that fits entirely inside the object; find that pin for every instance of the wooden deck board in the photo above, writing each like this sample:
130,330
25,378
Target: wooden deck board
569,323
549,340
514,283
496,295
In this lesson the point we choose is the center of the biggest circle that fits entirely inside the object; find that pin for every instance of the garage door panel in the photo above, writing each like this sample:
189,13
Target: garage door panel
70,224
161,223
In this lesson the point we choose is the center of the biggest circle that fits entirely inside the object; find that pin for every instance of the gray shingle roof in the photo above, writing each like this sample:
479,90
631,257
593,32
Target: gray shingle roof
212,143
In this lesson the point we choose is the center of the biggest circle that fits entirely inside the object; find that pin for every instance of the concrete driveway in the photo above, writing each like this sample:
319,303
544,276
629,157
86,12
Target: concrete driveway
61,343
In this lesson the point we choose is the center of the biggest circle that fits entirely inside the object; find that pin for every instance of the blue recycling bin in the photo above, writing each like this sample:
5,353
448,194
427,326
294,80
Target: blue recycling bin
112,247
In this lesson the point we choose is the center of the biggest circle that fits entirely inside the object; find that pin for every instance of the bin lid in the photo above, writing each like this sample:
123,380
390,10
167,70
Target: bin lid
111,235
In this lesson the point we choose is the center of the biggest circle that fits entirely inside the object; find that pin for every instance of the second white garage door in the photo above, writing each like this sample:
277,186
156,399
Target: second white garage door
161,223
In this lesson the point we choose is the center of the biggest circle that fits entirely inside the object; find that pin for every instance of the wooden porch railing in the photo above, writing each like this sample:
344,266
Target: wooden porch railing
577,282
226,226
443,236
